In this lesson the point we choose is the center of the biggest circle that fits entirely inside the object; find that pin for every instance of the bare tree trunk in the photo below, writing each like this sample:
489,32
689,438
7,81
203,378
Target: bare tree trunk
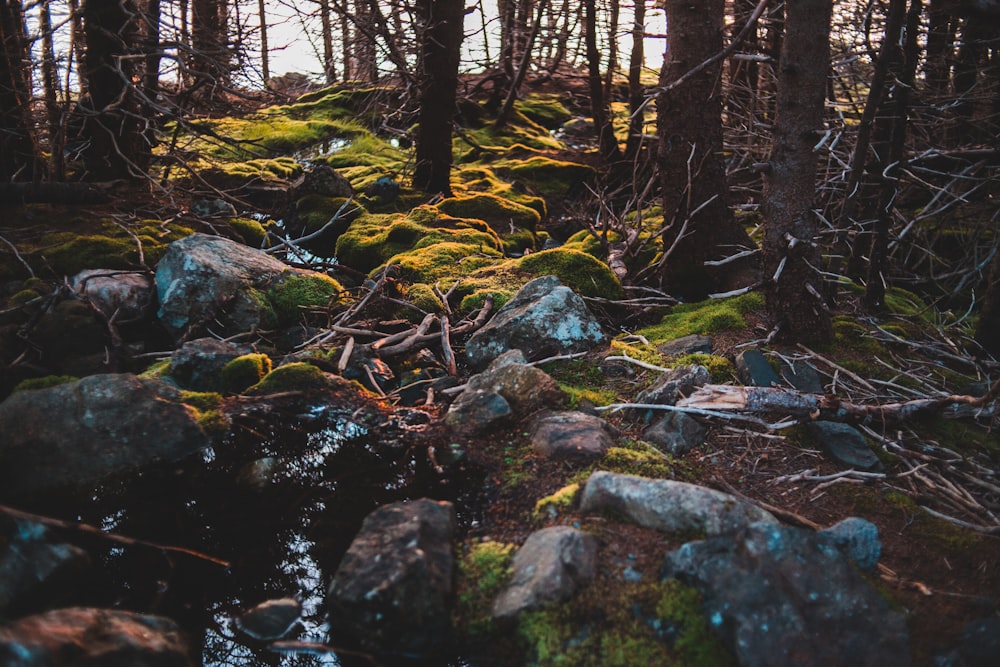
607,143
441,41
329,67
265,58
895,119
19,155
346,41
636,92
941,29
53,111
151,28
615,11
795,292
699,224
504,114
743,75
210,45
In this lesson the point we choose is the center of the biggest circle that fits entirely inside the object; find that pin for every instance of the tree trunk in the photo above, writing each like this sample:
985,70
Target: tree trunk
607,143
894,161
636,91
522,70
19,157
113,125
941,26
345,41
743,74
265,59
53,112
441,41
210,45
329,68
151,29
699,224
795,291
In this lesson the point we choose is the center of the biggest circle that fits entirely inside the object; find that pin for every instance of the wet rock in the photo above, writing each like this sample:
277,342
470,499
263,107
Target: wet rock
844,443
197,364
83,431
80,636
127,296
269,620
669,387
477,411
692,344
204,279
393,590
30,557
544,318
676,434
858,539
668,506
801,375
779,595
755,371
563,435
324,180
551,566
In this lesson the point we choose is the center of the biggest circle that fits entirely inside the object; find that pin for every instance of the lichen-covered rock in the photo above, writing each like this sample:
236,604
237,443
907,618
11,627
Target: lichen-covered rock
478,410
779,595
81,432
527,389
667,505
562,435
392,593
80,636
551,566
544,318
204,279
125,295
198,364
30,556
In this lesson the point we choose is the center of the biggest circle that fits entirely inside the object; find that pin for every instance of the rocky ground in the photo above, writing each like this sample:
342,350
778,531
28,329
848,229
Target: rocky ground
461,441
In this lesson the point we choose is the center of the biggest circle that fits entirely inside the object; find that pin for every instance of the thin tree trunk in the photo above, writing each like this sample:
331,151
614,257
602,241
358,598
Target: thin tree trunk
265,58
941,26
504,114
345,38
441,41
743,75
607,143
795,290
612,47
151,77
19,157
636,91
53,111
329,68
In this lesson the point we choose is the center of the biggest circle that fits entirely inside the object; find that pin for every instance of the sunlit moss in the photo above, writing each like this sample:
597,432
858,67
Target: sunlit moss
545,109
546,175
553,504
294,292
244,371
501,214
704,317
483,569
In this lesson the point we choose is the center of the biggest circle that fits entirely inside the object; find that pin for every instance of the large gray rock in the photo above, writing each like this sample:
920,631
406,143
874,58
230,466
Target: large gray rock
544,318
779,595
125,295
81,432
668,506
85,637
209,279
392,593
572,435
29,557
550,567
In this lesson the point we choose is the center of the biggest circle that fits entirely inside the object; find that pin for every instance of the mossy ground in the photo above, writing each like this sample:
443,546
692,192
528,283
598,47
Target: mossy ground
704,317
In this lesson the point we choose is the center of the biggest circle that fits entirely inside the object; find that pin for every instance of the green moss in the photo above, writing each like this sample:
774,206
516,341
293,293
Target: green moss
966,437
423,297
638,458
624,626
278,171
481,178
44,382
552,505
579,271
157,369
704,317
250,231
298,376
443,261
500,214
24,296
546,110
482,571
291,293
640,351
244,371
545,175
593,396
71,253
720,368
202,400
519,131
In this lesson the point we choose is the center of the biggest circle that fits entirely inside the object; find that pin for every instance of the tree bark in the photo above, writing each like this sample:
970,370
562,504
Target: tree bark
795,289
19,155
329,67
53,111
210,46
607,142
265,58
442,33
699,224
636,91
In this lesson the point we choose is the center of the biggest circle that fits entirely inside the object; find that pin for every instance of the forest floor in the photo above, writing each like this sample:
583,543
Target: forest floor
940,575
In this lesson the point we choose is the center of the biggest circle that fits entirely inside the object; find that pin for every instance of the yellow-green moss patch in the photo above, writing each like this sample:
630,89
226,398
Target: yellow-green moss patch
44,382
704,317
502,215
546,175
244,372
294,292
298,376
483,569
552,505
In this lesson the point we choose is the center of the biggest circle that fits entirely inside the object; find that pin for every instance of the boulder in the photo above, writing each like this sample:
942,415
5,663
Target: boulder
551,566
676,434
667,505
526,388
324,180
125,295
843,442
692,344
209,279
561,435
198,364
30,557
80,636
544,318
800,374
81,432
779,595
392,593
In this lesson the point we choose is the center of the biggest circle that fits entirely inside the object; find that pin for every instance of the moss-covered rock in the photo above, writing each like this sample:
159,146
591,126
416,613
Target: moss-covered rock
502,215
546,110
250,231
546,175
244,372
298,376
555,503
293,292
44,382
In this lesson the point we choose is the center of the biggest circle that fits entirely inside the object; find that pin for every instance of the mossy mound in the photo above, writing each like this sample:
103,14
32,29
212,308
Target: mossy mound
443,260
244,372
545,109
481,178
502,215
250,231
373,240
298,376
704,317
279,171
545,175
519,130
293,292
